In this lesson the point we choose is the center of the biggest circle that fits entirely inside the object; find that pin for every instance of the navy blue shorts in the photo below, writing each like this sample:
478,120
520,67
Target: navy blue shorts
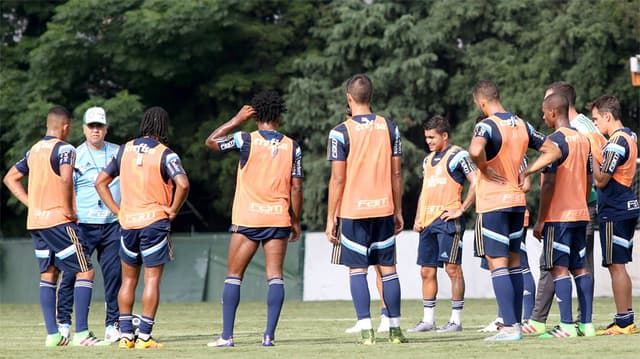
262,233
367,241
524,257
616,241
150,245
564,244
498,233
97,236
60,247
441,242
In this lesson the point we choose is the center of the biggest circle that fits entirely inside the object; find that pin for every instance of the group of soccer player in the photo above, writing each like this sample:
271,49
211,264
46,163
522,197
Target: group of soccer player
120,201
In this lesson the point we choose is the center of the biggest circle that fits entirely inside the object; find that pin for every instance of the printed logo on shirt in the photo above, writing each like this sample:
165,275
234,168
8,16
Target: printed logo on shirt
266,208
227,145
633,205
373,203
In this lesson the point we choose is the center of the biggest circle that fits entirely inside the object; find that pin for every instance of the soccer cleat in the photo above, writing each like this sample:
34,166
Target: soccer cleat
396,336
614,329
384,324
126,343
586,330
112,333
367,337
506,334
56,340
221,343
492,327
148,344
87,339
355,329
533,327
450,327
267,341
422,327
561,331
65,330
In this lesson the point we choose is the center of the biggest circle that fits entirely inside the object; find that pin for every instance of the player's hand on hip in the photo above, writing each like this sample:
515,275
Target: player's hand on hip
70,214
450,214
398,222
170,212
417,227
295,232
332,230
245,113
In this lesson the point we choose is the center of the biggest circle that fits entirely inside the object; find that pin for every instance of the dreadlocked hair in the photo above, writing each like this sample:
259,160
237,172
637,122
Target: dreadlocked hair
268,105
155,122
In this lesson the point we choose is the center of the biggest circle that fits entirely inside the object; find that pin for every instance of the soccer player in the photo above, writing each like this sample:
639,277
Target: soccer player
266,206
498,147
440,221
99,228
51,222
544,296
148,171
618,207
563,214
365,198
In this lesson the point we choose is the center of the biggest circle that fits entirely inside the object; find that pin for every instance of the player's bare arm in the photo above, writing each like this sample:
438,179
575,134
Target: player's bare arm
601,179
66,175
479,157
296,208
12,181
546,193
550,152
245,113
469,200
336,190
396,190
180,196
102,187
417,227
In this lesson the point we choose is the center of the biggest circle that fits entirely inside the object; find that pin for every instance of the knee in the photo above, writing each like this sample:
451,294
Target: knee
88,275
454,271
428,273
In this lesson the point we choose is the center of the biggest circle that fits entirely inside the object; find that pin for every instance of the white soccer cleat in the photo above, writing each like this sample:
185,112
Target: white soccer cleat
112,333
384,324
492,327
355,329
64,330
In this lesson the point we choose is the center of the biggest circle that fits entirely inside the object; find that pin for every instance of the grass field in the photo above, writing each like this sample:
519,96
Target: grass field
310,330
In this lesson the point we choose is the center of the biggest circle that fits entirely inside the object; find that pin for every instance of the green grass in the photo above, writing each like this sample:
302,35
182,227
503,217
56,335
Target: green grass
310,330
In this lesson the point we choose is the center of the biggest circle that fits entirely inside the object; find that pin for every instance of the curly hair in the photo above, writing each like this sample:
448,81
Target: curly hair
155,122
268,105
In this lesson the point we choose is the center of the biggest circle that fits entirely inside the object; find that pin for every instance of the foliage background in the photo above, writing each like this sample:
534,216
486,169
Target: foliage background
203,59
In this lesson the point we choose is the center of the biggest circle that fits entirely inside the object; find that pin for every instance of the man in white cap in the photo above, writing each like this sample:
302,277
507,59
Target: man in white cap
98,226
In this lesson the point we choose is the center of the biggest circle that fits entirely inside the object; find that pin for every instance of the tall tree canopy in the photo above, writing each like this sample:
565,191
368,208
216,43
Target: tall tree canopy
203,59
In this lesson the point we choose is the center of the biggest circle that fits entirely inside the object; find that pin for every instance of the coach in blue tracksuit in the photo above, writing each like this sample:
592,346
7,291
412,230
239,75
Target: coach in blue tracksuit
98,226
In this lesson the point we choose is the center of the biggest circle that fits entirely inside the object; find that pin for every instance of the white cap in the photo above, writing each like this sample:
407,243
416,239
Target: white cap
95,115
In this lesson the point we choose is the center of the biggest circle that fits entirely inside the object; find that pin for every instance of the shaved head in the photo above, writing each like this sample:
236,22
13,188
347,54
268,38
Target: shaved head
486,90
557,103
57,117
360,88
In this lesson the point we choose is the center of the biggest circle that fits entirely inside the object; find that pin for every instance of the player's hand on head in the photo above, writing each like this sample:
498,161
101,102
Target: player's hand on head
245,113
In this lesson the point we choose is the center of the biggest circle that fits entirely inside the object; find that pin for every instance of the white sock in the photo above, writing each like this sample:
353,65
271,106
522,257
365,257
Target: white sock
394,322
429,314
365,324
456,316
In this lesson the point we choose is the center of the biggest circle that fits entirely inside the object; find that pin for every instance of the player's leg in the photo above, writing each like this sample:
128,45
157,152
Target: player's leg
582,278
384,312
109,261
131,263
274,252
241,251
65,302
529,285
428,262
516,231
450,244
48,284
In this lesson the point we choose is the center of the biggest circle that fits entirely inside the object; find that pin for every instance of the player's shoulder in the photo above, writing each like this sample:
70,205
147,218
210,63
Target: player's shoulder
339,133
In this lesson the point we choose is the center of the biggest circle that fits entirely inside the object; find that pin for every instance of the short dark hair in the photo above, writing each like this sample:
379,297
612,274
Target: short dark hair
155,122
606,103
558,102
565,89
438,123
268,105
360,88
59,111
487,90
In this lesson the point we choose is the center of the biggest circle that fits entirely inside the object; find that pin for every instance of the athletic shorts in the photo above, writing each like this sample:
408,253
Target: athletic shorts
149,246
497,233
441,242
262,233
524,257
616,241
564,244
61,247
367,241
99,236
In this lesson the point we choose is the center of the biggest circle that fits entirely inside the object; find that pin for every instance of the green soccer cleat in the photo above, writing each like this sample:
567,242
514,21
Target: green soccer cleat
56,340
586,330
532,327
396,336
561,331
87,339
368,337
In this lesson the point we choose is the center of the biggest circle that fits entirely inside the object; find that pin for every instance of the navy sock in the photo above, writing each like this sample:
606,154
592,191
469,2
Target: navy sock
275,298
82,299
562,286
126,326
584,287
230,301
515,274
48,305
360,294
391,294
623,319
384,311
503,289
528,293
146,326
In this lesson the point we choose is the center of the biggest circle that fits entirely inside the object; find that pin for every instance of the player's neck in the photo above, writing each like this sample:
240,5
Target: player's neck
615,126
57,133
493,108
573,113
562,122
267,126
360,109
